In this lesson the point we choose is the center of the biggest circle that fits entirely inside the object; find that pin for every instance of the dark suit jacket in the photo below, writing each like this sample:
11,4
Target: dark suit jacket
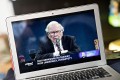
47,48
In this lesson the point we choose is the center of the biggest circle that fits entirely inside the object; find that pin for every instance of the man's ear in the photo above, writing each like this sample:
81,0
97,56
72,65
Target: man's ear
63,30
47,34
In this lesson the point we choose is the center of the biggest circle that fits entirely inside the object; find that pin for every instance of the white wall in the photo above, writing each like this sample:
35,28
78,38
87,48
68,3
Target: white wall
6,10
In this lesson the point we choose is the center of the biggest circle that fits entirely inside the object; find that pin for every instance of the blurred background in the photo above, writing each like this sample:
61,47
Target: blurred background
109,15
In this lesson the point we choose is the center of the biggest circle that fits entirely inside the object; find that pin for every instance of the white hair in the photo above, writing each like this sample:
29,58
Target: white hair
54,23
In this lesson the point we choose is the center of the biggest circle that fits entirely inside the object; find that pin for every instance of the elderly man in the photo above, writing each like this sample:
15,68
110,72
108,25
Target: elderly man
55,44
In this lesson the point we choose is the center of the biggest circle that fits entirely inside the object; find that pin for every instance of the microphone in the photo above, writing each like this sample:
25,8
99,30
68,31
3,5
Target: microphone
58,45
58,41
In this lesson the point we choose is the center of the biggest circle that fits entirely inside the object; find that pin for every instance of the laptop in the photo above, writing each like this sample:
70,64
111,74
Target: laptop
80,24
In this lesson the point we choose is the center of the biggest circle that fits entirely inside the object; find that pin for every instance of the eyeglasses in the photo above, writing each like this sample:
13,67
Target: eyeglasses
54,32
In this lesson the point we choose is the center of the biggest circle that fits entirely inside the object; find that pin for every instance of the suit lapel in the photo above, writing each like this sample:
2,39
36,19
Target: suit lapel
63,43
50,47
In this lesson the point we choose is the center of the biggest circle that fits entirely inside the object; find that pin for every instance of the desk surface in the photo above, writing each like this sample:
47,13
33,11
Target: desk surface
115,64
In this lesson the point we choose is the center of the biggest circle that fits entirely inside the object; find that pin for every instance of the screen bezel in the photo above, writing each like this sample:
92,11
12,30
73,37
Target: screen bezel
18,75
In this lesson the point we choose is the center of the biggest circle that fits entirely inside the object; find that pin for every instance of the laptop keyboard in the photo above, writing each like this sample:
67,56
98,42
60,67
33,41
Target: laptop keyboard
88,74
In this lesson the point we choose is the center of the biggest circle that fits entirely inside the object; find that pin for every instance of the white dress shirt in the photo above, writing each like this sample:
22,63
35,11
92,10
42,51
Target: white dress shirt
56,53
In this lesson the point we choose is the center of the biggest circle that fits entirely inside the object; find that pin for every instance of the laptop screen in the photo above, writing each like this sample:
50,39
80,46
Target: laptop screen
55,41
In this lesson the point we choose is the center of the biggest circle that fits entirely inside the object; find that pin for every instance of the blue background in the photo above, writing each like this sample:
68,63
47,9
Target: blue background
81,25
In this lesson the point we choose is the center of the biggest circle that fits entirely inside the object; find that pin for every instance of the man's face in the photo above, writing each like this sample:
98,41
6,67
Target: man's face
55,32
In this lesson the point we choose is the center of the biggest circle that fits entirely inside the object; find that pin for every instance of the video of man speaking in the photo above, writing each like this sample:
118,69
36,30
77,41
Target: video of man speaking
55,41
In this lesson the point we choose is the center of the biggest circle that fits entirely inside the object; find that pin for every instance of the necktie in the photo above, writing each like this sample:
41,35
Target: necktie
58,47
